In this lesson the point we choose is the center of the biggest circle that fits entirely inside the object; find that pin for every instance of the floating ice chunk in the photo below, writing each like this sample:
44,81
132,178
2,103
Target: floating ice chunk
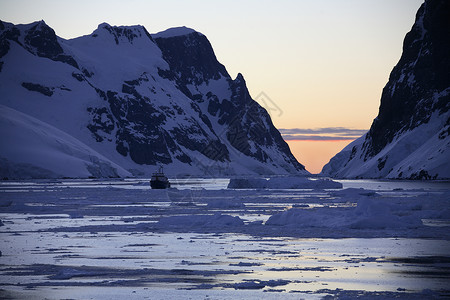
317,217
370,213
248,285
353,193
247,183
247,264
68,273
293,182
379,214
257,284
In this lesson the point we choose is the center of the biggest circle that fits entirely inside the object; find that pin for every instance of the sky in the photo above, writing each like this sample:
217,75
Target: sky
317,66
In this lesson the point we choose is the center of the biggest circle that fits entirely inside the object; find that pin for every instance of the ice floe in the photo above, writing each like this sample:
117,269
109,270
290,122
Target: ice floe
293,182
371,212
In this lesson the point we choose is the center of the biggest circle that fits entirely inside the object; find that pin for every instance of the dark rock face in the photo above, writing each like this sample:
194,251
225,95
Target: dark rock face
39,39
247,121
102,123
247,126
42,40
135,114
38,88
192,57
408,99
7,35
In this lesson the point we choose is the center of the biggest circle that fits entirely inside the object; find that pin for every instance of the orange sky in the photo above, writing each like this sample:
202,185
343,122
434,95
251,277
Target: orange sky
315,154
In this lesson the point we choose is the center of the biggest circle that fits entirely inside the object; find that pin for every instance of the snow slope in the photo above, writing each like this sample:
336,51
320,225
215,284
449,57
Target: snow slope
173,32
33,149
419,153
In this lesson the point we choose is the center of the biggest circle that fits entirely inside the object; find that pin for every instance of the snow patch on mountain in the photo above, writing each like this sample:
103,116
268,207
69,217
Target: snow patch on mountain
173,32
33,149
419,153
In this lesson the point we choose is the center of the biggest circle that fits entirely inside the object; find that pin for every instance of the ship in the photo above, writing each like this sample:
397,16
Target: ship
159,180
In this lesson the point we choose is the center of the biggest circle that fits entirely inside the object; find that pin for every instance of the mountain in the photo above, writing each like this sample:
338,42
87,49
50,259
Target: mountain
410,136
120,101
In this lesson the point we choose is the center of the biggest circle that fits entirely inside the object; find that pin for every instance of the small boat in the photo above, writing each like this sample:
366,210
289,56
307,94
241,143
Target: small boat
159,180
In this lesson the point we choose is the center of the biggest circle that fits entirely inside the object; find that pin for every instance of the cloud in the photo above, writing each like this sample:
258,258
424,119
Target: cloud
325,130
321,134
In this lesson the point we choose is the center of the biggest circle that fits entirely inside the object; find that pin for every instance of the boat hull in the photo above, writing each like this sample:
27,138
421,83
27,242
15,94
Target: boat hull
158,184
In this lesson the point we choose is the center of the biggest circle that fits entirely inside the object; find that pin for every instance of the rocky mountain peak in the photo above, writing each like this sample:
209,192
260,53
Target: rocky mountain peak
240,78
42,39
410,136
191,57
122,34
37,38
416,82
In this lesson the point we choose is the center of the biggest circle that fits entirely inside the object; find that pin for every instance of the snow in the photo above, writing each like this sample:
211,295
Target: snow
111,63
371,212
34,149
339,161
368,214
379,214
409,153
173,32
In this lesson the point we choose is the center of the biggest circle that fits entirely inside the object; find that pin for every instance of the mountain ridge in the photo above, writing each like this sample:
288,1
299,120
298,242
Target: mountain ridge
140,100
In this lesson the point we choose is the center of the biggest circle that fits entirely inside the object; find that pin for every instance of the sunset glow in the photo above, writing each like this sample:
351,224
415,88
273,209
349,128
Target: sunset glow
315,154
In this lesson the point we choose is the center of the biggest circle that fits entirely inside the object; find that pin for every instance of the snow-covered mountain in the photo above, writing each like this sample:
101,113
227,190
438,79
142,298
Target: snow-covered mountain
410,136
120,101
